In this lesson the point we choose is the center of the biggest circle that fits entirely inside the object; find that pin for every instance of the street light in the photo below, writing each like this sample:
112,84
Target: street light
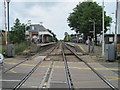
115,37
10,47
103,26
93,32
8,1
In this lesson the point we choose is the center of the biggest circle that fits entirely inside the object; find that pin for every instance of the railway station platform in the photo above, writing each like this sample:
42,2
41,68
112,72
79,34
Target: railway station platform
45,44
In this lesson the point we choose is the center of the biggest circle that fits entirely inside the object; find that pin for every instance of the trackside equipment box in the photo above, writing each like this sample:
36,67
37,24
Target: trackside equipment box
9,52
110,52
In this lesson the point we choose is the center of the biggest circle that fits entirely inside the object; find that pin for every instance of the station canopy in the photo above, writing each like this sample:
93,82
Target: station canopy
45,33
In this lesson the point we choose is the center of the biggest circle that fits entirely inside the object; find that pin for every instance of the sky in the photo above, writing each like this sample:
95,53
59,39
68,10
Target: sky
53,13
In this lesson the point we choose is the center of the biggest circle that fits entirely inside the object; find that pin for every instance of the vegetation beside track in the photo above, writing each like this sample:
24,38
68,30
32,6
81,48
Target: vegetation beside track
2,46
21,47
18,47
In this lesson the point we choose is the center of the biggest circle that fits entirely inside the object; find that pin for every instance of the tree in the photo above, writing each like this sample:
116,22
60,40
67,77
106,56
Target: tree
17,33
66,36
54,36
78,20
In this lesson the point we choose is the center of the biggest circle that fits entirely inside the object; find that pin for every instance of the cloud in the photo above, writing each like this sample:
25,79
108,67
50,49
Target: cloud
52,14
53,17
59,0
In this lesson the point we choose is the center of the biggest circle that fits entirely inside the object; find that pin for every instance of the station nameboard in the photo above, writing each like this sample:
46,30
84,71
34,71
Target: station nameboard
109,38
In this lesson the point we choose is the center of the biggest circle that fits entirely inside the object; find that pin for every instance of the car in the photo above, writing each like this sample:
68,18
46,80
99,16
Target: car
1,58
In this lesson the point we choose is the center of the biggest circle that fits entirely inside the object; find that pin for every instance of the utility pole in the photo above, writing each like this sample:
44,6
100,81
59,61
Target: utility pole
103,42
115,37
5,22
8,2
93,36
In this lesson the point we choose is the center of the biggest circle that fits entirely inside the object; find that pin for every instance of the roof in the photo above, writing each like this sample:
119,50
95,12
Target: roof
37,28
1,33
47,33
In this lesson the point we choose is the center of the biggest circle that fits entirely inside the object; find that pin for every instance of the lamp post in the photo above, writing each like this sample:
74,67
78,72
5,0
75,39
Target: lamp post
115,37
103,34
8,1
93,33
10,47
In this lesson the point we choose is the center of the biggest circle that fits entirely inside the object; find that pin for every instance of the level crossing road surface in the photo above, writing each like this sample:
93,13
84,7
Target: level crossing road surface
82,76
64,71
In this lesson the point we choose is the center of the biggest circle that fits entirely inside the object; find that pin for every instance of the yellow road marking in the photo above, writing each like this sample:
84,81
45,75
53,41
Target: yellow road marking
95,68
69,67
45,83
11,70
81,48
111,78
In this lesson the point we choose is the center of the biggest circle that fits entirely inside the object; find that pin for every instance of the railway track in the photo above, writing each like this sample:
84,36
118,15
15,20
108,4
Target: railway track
16,87
97,73
46,79
30,58
50,74
68,74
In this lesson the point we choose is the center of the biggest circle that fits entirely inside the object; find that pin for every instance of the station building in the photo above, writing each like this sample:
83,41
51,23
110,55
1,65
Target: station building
38,34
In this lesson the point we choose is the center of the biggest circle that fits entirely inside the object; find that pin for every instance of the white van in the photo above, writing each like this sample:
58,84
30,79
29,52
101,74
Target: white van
1,58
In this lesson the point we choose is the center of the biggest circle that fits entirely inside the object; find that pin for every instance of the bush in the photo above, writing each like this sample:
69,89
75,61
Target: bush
2,39
21,47
2,45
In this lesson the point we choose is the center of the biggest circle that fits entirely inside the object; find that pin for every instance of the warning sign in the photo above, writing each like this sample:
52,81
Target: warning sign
118,47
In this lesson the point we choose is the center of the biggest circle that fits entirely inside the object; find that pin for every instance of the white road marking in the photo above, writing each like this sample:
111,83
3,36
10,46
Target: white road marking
10,80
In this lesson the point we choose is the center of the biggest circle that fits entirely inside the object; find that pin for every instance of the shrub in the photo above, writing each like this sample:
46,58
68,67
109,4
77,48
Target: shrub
21,47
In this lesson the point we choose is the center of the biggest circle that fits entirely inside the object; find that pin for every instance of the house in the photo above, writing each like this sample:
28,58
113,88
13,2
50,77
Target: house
2,33
39,34
77,38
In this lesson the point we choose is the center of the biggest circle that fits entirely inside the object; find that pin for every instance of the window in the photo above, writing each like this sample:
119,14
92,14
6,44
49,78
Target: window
33,27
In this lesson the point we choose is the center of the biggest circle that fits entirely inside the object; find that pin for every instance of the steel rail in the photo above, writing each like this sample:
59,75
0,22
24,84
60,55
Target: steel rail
26,77
68,75
47,76
48,72
18,64
96,72
17,87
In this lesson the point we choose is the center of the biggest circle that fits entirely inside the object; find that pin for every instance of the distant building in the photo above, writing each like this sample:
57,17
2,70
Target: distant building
77,38
2,33
38,34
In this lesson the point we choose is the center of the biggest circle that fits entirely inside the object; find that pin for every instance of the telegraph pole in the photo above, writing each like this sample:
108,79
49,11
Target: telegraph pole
5,22
8,2
115,37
